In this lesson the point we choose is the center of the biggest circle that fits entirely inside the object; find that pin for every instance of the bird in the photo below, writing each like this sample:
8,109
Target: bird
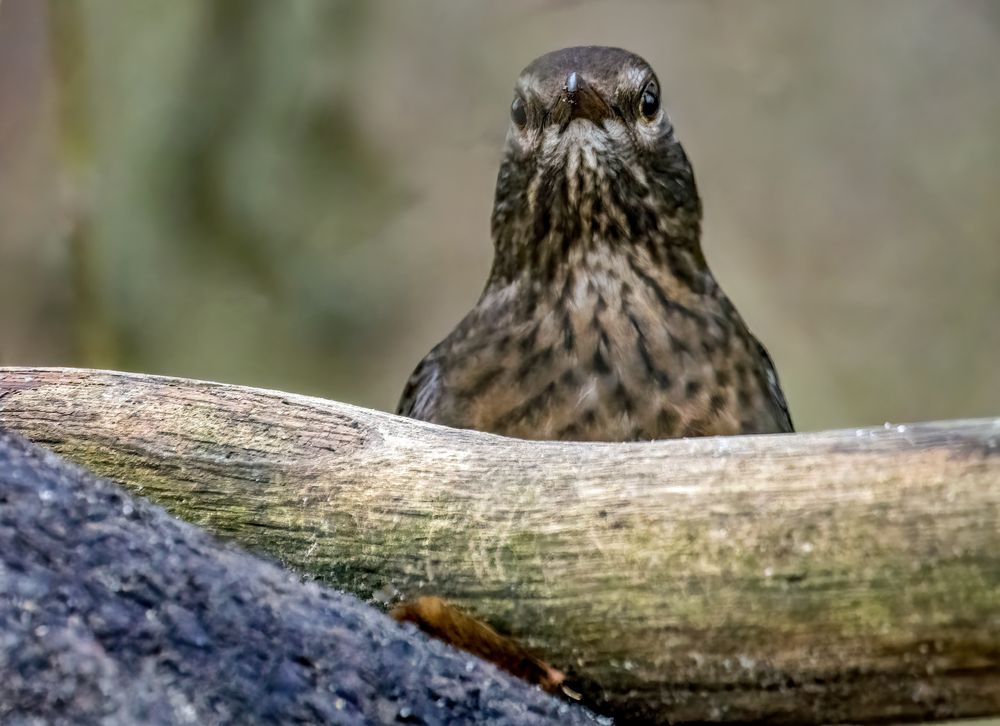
600,319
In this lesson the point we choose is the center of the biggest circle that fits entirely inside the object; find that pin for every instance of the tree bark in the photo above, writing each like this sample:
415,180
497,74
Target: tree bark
821,577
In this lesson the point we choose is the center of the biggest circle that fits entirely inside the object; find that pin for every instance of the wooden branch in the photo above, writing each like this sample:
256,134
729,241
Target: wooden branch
841,576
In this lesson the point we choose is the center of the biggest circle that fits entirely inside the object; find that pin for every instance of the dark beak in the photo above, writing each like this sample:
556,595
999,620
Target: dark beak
580,100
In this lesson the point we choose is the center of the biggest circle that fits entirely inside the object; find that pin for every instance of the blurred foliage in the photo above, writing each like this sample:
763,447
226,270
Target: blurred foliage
223,157
297,194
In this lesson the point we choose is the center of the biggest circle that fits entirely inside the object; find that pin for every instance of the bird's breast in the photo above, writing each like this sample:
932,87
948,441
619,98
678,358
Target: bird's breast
613,350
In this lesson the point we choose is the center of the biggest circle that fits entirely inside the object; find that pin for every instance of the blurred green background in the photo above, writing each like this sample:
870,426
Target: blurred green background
296,194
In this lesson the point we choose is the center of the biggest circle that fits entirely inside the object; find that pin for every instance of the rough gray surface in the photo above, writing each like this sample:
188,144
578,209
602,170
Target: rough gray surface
113,612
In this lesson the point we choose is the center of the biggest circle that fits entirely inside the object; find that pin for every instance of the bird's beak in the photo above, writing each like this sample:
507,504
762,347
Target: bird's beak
580,100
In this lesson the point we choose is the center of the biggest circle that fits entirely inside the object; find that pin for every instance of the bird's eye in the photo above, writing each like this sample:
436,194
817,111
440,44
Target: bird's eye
650,102
518,112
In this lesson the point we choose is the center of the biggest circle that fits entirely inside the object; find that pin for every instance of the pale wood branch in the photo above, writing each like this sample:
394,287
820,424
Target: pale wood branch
847,575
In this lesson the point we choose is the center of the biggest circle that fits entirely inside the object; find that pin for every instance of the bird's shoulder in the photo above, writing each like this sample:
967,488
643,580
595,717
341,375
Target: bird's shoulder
777,397
429,388
423,389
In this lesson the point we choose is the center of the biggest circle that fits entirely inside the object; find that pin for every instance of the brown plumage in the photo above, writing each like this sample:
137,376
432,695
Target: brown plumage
600,319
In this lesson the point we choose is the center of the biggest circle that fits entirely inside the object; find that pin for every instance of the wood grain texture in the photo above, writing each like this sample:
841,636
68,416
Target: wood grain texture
837,576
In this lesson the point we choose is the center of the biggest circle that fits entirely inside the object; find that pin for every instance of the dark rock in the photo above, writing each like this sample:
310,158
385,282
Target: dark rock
111,611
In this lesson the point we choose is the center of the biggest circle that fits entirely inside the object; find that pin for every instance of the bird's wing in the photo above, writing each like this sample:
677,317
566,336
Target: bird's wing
420,396
782,417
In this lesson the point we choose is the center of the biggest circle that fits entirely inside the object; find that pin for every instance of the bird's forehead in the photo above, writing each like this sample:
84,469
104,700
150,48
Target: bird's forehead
605,68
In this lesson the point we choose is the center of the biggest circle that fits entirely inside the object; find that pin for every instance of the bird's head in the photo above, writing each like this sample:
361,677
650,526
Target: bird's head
591,159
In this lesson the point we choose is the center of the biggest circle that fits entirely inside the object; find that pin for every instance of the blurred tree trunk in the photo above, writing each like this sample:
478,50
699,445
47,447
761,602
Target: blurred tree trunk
35,298
94,329
214,173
